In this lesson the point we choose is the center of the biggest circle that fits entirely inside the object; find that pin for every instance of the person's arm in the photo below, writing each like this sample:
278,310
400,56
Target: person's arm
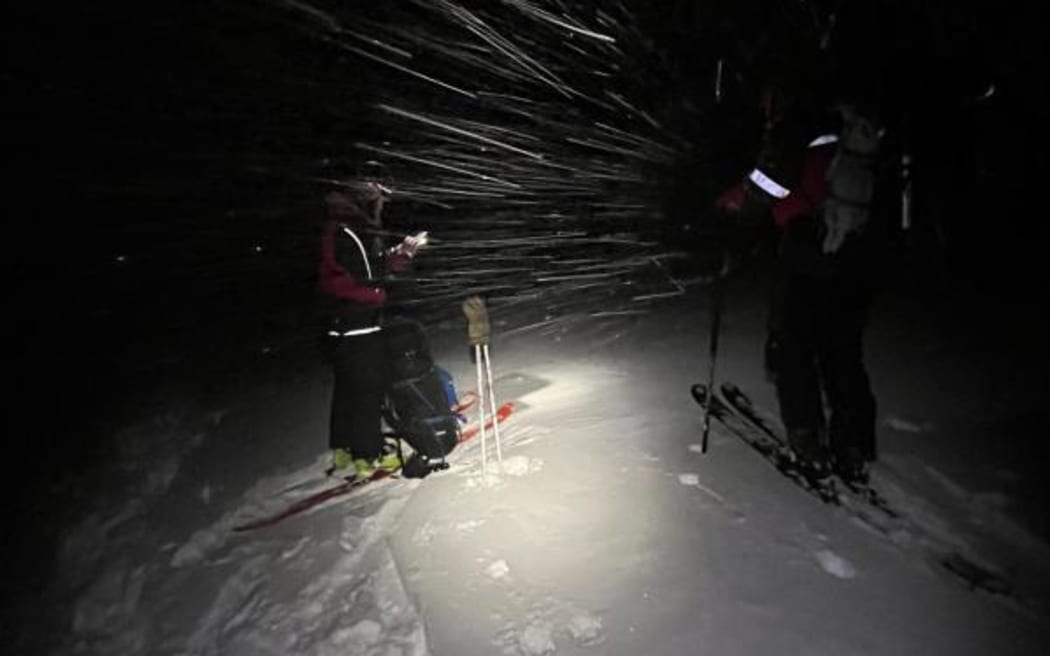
399,257
811,189
744,209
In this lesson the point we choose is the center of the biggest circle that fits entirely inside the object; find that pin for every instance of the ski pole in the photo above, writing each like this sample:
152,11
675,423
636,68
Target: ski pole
717,297
478,333
481,409
492,401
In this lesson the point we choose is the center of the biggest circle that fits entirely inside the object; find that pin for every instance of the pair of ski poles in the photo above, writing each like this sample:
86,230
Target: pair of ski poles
486,388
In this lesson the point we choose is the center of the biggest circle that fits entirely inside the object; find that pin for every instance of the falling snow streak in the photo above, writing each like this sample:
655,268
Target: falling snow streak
527,137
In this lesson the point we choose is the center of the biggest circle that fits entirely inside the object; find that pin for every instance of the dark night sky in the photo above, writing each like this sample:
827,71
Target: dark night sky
124,100
169,136
140,116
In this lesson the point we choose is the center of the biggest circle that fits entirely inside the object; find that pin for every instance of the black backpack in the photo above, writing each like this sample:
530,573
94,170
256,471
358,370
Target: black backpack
851,177
419,399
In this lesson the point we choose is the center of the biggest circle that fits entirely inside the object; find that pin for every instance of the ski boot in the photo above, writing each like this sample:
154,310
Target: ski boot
341,461
851,467
388,461
811,458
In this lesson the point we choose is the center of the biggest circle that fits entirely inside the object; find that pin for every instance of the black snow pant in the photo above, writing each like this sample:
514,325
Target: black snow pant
361,382
818,326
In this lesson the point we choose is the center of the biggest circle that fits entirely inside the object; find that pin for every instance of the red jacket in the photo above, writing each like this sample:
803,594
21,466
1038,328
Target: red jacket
792,198
348,274
808,194
335,278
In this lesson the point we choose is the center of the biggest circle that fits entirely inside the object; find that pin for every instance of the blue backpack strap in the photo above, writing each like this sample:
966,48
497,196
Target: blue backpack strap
448,386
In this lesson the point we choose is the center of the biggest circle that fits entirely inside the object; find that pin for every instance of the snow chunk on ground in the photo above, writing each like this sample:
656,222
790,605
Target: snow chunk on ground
425,534
520,465
834,564
359,637
689,479
202,543
586,630
498,569
693,480
536,640
484,481
469,526
516,466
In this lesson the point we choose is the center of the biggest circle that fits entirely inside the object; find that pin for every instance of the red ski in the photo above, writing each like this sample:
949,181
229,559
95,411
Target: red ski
502,413
465,403
316,499
346,487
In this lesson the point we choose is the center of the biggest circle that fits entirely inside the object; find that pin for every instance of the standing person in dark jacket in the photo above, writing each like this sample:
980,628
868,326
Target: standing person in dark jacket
817,184
353,265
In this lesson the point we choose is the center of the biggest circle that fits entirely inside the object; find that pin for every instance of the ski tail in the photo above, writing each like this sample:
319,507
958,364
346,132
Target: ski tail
735,413
702,397
314,500
348,486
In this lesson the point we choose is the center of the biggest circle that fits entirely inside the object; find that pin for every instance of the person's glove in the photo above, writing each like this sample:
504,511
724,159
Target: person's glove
732,200
410,245
478,329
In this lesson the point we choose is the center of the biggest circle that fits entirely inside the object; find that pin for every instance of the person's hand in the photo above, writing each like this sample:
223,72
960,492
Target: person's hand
731,201
411,244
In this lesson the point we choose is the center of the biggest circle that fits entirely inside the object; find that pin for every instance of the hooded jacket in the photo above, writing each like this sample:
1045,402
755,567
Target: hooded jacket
350,275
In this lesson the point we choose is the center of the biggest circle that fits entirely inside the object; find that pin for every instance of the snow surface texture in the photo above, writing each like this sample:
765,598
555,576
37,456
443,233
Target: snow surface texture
604,531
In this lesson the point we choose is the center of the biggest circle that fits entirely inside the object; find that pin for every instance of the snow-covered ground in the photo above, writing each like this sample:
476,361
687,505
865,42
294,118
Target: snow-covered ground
604,532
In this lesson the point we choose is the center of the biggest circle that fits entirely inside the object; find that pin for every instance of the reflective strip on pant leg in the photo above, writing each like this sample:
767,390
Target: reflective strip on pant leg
768,185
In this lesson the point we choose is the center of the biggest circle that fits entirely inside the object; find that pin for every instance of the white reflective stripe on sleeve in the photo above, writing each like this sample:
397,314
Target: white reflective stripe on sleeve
364,255
355,333
824,139
768,185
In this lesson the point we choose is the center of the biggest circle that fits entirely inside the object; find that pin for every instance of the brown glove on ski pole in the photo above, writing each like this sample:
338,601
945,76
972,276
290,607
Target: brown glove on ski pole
478,329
